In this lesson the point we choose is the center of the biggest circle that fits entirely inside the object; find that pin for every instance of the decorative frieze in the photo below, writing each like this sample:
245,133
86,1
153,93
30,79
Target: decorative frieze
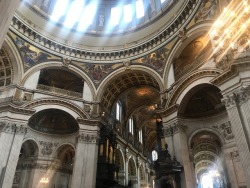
47,147
42,166
238,97
12,128
88,138
225,129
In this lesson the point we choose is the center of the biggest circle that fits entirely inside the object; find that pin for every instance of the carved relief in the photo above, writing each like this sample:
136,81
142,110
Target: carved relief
229,100
234,154
47,147
88,138
66,62
225,130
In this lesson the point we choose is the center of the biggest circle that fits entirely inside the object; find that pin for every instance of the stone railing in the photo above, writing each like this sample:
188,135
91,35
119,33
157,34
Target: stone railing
59,91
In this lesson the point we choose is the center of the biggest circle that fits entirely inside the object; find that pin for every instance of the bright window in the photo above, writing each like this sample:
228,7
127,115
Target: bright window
74,13
139,9
118,111
87,16
162,1
115,15
140,135
131,125
127,9
59,9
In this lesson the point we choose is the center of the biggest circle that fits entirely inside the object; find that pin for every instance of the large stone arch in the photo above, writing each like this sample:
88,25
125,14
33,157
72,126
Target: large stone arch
59,65
15,58
136,75
190,34
67,106
196,78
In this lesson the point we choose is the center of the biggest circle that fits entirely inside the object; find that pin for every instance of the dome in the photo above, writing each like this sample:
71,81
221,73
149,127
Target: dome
136,27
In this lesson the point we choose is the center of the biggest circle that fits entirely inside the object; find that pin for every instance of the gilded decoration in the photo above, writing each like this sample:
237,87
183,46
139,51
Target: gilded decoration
156,59
30,54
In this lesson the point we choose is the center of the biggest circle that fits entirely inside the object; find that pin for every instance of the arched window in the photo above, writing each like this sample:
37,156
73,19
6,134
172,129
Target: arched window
118,111
140,136
131,125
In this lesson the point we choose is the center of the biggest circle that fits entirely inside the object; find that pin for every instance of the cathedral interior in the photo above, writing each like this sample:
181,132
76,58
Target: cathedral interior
124,94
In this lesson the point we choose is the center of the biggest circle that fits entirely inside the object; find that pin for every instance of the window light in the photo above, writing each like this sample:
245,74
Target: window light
88,15
127,9
139,9
74,13
115,15
59,10
131,125
118,111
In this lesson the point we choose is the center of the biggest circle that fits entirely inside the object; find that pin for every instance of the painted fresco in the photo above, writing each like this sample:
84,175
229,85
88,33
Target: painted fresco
31,55
156,59
97,71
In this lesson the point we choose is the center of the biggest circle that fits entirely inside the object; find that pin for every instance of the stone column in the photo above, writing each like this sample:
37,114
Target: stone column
85,165
11,140
126,167
180,143
237,109
7,10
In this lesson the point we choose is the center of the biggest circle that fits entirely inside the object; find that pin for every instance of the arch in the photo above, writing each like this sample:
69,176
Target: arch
196,132
15,58
132,167
190,34
53,121
45,103
65,152
58,64
187,83
29,148
120,158
124,80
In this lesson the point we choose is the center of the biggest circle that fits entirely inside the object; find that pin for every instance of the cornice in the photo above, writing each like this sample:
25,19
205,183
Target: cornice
16,109
131,51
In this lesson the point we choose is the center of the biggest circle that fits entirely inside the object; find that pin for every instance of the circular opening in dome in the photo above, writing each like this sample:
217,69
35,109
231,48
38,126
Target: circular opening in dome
53,121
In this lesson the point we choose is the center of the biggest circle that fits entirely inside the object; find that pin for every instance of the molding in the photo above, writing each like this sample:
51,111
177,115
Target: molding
88,138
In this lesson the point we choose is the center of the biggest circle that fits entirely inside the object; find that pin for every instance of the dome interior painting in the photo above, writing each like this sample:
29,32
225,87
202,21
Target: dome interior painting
53,121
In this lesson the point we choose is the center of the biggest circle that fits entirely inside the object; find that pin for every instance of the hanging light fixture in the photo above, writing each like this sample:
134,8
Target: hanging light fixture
231,31
45,179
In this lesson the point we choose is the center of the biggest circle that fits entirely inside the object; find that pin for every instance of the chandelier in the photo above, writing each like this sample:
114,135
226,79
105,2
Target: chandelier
44,180
231,31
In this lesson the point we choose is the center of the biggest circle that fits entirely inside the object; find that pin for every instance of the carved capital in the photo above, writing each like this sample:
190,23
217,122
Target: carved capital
230,100
242,96
88,138
225,130
12,128
234,154
175,128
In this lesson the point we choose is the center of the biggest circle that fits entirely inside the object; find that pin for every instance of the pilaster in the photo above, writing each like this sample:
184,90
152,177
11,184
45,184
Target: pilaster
85,165
237,108
7,10
181,150
11,140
